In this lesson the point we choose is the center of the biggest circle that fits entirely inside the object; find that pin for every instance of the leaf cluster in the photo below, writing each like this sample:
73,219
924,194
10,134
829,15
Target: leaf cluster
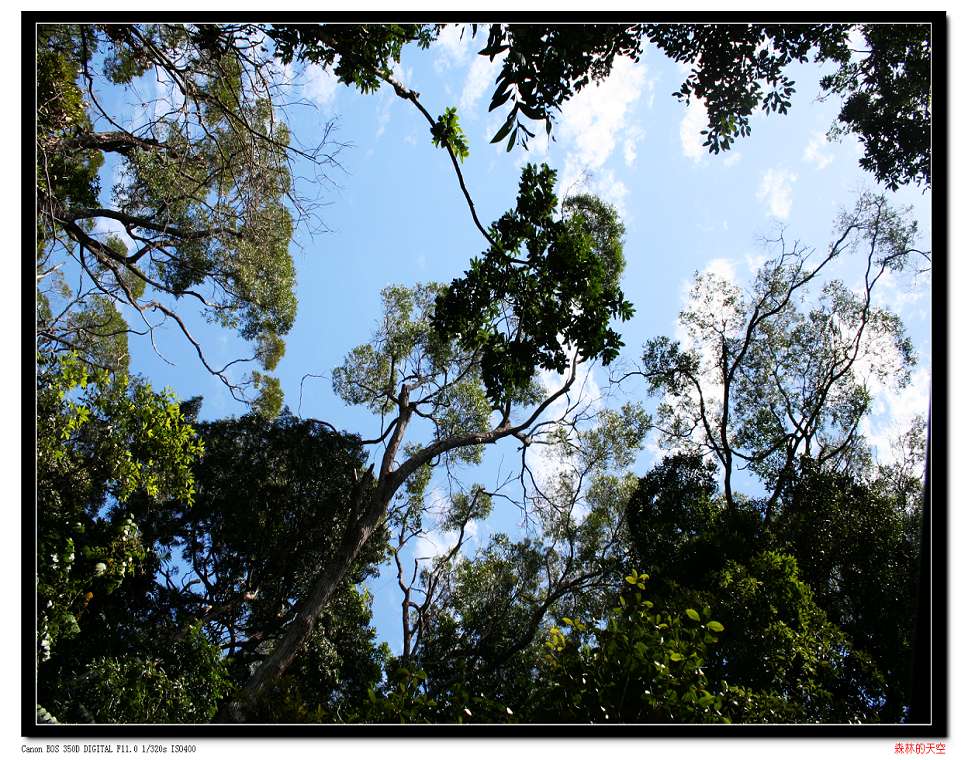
547,287
100,441
887,102
356,53
643,665
446,132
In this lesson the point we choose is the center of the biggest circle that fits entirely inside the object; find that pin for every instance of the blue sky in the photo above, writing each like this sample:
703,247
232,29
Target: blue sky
395,215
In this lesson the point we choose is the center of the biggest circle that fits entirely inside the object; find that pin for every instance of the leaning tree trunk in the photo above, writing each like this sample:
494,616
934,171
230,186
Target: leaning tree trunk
369,503
329,579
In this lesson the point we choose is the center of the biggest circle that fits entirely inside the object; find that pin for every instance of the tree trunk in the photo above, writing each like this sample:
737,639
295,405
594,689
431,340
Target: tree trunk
276,664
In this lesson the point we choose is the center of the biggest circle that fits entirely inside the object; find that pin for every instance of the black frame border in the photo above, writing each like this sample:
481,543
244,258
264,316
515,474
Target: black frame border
930,707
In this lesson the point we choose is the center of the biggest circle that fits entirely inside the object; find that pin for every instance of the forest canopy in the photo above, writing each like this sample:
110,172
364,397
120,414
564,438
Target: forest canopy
599,429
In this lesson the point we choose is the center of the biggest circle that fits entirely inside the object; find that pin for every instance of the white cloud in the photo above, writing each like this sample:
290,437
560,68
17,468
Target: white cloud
283,74
723,268
451,47
634,135
585,388
755,261
319,85
383,115
612,190
104,227
653,447
480,76
437,541
594,118
692,124
732,159
857,44
694,297
546,462
776,191
492,124
814,152
169,98
896,410
650,88
546,465
896,294
629,152
576,178
402,75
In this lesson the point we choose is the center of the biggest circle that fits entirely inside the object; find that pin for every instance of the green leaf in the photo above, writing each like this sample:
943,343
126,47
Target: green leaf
499,99
715,626
492,50
505,129
693,615
531,113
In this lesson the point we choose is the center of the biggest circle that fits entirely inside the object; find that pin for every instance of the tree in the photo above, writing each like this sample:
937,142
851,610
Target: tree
445,373
887,101
672,661
858,546
203,206
477,627
677,527
560,297
803,668
844,550
157,637
643,665
101,442
173,681
761,382
337,669
223,581
473,624
272,497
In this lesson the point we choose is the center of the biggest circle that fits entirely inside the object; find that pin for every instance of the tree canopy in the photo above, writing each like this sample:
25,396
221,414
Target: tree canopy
203,204
713,537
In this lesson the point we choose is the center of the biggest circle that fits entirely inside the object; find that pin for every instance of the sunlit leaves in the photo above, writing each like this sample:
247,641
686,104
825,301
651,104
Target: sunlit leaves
98,439
270,397
446,132
643,664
